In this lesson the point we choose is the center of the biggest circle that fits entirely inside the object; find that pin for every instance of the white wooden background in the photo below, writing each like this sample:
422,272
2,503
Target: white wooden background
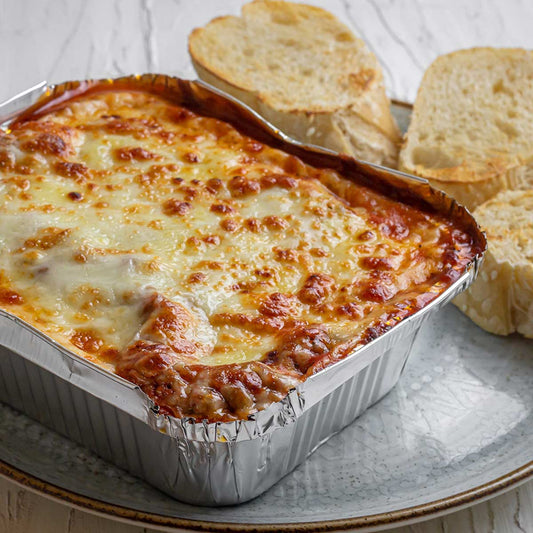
75,39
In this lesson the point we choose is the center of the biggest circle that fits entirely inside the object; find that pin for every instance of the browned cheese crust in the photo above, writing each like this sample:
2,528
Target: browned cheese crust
212,270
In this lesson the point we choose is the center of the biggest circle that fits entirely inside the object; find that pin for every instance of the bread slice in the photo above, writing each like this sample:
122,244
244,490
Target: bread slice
471,132
501,299
305,72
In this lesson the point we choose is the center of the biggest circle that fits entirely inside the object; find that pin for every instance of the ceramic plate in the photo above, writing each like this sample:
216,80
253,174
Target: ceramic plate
457,428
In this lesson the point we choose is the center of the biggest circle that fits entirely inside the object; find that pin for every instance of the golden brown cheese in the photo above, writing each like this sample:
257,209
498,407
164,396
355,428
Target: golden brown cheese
213,271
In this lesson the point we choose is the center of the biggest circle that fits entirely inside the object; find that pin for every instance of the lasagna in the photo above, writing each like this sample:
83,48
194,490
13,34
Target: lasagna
210,269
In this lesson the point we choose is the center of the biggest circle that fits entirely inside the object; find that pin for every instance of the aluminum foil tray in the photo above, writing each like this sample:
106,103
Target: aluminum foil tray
217,463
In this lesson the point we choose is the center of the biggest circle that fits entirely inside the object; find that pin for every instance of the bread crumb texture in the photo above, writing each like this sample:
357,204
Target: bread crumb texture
471,132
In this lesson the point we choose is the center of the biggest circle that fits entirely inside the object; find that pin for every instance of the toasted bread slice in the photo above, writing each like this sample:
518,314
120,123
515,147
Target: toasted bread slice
305,72
501,299
471,132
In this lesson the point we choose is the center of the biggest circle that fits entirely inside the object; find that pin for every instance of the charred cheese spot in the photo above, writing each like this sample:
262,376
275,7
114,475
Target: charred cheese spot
286,255
47,143
7,160
277,304
69,169
190,193
221,208
316,289
197,277
392,225
257,324
293,165
194,242
229,224
134,154
242,186
173,206
214,185
254,224
279,180
149,360
366,235
75,196
377,291
169,323
10,297
211,239
180,114
274,222
319,252
20,183
302,347
265,273
47,238
352,310
192,157
212,265
87,340
253,147
138,127
377,263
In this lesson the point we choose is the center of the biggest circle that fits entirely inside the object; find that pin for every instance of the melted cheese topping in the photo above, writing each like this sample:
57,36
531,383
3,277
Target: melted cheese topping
119,199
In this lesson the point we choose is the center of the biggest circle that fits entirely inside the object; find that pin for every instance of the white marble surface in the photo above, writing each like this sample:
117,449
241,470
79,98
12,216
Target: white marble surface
59,40
71,39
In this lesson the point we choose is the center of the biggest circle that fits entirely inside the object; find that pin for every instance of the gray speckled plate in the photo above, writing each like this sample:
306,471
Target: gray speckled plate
460,420
458,427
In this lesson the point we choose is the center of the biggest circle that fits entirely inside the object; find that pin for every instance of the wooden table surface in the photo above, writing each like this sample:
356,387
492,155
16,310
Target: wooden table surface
70,39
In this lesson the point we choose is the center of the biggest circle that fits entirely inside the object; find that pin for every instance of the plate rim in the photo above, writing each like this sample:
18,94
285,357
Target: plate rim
388,519
398,517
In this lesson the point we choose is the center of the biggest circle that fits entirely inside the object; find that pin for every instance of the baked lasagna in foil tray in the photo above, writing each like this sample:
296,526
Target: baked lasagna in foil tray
209,267
198,298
